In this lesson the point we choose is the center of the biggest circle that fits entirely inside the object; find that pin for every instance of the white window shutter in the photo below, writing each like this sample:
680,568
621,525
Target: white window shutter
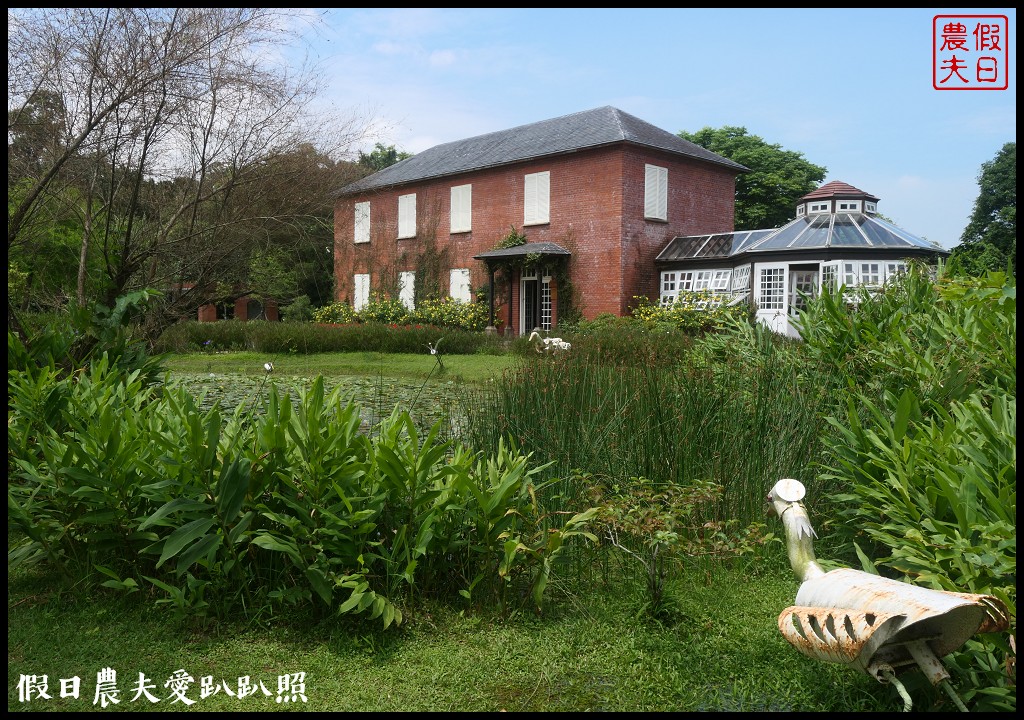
655,192
537,199
407,288
362,223
458,287
361,291
462,208
407,216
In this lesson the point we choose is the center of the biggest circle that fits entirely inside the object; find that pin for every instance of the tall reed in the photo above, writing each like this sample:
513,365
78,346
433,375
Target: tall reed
741,421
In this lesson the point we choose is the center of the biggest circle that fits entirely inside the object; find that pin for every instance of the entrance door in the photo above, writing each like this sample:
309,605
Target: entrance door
803,285
770,296
535,305
529,305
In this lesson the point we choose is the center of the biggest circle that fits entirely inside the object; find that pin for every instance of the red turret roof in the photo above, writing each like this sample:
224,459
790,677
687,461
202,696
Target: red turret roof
837,188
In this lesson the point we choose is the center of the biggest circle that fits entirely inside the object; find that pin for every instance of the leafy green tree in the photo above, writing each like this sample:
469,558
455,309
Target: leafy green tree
147,150
989,241
381,157
766,196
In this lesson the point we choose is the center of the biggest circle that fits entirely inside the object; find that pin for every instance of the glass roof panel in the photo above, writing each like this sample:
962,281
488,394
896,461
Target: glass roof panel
743,240
815,235
845,232
880,235
904,238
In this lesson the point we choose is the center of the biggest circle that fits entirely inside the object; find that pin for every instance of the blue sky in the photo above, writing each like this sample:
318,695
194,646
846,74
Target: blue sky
851,89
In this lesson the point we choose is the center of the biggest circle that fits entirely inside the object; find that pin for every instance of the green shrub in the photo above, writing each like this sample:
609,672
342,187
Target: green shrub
384,310
692,310
339,313
923,462
451,313
295,505
298,310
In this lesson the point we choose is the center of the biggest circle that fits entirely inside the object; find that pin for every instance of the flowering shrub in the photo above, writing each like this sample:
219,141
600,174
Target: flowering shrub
691,310
384,310
448,312
339,313
452,313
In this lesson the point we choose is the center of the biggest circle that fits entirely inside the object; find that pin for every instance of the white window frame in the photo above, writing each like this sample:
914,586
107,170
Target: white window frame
702,279
830,276
462,208
819,207
802,281
362,223
537,198
669,286
407,216
407,289
893,269
720,281
848,206
459,287
870,207
360,290
655,192
871,274
800,210
850,274
741,279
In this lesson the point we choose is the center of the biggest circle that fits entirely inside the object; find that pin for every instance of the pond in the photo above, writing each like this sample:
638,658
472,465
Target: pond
427,402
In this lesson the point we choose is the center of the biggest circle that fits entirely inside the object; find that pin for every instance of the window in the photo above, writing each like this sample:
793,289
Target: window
407,288
817,207
703,280
829,276
893,270
458,287
871,274
800,210
361,291
849,205
538,199
406,216
741,279
869,207
773,289
720,281
849,274
462,208
655,192
669,287
362,223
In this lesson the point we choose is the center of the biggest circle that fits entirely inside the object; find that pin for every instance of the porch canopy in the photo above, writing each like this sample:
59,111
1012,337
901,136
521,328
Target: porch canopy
503,256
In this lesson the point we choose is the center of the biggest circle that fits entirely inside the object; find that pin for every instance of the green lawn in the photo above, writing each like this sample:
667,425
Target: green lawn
721,651
458,368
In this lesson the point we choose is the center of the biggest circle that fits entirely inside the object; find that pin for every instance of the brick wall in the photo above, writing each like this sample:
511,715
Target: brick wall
596,212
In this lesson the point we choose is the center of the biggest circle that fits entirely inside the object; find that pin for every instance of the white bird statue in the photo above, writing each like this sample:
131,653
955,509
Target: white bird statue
877,625
435,350
549,345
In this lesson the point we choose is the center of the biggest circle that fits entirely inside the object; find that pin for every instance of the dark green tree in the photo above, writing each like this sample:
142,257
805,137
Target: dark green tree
381,157
766,196
989,241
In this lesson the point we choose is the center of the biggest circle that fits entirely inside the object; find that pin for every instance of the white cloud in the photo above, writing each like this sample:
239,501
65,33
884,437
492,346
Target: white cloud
442,58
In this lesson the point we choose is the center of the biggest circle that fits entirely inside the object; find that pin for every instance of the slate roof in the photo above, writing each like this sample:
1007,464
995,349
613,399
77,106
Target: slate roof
579,131
541,248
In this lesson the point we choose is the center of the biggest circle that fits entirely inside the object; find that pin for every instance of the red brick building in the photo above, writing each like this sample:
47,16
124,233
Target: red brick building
597,195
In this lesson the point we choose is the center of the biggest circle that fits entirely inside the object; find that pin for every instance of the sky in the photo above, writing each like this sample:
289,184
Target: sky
850,89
